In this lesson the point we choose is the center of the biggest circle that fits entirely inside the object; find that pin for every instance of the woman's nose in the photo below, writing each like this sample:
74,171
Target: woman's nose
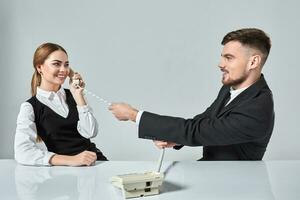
62,68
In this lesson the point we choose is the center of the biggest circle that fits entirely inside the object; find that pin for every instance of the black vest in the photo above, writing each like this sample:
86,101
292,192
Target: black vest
58,133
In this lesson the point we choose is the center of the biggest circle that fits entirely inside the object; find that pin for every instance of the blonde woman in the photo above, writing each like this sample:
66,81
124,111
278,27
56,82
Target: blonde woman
55,125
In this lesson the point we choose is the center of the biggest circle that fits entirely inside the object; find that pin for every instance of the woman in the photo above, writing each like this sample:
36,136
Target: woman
55,125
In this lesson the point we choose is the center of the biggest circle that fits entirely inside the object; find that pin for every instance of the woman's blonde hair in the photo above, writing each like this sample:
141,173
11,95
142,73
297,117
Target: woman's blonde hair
39,57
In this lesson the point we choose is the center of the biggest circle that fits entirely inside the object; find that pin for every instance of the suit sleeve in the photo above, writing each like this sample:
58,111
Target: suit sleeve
245,123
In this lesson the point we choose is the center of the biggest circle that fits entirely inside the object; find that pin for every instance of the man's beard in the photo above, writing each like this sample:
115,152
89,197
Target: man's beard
235,82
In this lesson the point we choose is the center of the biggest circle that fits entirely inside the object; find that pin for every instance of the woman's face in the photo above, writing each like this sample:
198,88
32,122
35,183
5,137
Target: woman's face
54,70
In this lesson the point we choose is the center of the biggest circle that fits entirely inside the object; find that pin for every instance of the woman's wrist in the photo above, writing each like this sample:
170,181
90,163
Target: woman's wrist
80,101
57,159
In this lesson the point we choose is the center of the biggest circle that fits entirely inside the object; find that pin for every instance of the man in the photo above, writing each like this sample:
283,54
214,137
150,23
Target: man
239,123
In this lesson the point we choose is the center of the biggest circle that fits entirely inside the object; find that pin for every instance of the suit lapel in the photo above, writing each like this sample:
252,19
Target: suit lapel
236,101
223,97
246,94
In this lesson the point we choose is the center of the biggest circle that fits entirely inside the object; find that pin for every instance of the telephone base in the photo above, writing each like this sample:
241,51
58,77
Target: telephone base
138,184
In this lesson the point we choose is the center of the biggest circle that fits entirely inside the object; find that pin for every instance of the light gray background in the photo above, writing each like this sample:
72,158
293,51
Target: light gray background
158,55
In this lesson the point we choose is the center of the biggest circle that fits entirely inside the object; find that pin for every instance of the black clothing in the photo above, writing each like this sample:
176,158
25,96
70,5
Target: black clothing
239,131
60,134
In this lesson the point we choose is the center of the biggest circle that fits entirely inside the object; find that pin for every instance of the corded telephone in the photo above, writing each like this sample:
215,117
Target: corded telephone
140,184
134,184
78,83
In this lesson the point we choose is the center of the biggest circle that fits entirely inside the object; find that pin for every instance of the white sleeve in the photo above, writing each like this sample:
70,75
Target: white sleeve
87,125
138,117
27,150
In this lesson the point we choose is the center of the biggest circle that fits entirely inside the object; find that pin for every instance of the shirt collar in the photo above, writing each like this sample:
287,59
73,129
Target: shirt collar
50,94
237,91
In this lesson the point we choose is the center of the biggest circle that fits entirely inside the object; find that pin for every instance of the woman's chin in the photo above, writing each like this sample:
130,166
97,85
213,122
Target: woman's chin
60,80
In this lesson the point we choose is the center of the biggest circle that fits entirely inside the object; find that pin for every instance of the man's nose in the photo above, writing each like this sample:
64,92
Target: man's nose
221,64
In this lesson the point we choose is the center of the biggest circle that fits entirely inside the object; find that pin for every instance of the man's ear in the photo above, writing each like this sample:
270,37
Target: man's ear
254,61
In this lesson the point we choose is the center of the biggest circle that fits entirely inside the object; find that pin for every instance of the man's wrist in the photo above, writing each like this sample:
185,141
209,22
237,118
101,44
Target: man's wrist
133,115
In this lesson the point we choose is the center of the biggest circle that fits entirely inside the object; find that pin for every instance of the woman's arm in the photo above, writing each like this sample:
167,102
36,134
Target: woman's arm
27,150
86,158
30,152
87,125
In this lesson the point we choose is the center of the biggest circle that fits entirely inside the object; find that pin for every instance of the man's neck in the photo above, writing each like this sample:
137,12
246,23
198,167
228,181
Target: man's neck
247,83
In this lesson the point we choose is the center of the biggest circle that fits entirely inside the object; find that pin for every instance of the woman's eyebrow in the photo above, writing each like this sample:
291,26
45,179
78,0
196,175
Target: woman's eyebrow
56,61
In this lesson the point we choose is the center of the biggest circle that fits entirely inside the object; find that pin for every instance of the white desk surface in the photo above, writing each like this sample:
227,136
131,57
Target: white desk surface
183,180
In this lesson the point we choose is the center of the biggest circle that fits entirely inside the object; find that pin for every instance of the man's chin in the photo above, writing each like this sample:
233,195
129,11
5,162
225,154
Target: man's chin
229,82
226,82
232,83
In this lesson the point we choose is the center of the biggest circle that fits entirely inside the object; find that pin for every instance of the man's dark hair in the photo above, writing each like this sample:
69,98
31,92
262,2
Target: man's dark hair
251,37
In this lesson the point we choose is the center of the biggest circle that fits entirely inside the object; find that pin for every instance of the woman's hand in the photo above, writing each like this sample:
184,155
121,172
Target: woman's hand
76,87
85,158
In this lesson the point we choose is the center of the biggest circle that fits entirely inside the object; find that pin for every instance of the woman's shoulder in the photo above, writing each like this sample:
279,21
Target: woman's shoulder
67,91
26,111
69,97
32,100
26,105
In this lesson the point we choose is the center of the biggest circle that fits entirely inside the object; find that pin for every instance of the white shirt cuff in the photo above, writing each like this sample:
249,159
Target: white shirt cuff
47,158
138,117
83,109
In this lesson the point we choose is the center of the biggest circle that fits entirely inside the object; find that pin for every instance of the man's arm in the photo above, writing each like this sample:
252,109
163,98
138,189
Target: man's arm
249,122
125,112
246,123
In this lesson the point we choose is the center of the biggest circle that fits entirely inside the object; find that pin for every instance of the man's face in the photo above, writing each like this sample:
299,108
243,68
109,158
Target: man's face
233,64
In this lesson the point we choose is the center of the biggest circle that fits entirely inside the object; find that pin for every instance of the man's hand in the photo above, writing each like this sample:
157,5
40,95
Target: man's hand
123,111
163,144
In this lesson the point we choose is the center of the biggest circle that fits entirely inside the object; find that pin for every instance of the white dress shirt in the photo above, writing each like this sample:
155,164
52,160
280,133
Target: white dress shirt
27,150
234,93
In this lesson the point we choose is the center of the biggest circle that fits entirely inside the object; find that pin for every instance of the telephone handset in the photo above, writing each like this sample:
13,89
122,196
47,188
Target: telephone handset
77,83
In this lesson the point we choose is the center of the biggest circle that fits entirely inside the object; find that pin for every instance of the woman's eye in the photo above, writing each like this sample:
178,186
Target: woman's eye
56,64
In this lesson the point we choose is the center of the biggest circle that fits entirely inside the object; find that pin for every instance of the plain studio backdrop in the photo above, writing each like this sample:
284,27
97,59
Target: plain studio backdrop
157,55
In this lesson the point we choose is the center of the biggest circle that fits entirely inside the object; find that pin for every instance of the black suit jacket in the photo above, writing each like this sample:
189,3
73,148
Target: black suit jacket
239,131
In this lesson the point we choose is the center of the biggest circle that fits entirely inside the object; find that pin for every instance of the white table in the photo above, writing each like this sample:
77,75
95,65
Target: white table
183,180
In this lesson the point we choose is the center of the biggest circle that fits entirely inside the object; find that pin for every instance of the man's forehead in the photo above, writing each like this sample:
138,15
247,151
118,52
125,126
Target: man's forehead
233,47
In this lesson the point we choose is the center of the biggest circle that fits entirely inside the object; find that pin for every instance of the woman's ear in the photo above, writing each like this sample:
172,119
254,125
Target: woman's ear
38,68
